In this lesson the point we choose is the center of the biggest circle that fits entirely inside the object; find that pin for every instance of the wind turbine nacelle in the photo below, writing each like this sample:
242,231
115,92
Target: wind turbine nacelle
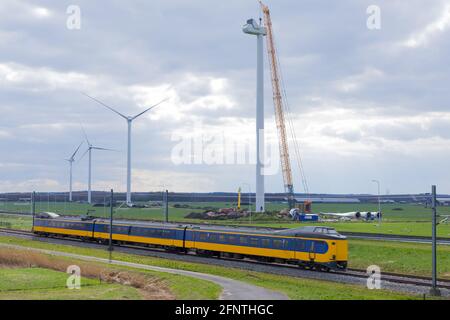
252,27
368,215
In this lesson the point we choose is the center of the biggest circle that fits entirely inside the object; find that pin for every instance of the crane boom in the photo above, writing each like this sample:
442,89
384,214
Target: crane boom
278,105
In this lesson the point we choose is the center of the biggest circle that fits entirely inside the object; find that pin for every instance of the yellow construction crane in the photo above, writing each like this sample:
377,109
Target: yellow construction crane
280,106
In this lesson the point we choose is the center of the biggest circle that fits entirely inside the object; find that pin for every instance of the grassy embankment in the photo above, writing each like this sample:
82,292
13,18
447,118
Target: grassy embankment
295,288
46,284
34,275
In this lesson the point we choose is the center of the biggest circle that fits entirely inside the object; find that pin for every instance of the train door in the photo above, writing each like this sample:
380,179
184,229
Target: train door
311,250
301,249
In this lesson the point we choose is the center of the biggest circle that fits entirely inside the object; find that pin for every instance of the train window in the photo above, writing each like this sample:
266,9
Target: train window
222,238
243,240
301,245
203,236
254,242
166,233
212,237
232,239
265,243
320,246
121,230
278,244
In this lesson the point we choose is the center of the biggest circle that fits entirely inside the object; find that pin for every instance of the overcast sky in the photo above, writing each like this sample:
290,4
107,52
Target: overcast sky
366,103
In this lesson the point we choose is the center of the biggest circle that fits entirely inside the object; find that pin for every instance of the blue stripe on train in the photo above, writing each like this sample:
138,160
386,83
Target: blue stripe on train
300,245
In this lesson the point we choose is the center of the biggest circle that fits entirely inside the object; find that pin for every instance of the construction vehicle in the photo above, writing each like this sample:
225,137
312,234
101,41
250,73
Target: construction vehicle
280,107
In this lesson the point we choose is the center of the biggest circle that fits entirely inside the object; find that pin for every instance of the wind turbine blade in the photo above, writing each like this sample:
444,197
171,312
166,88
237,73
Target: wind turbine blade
85,135
83,155
148,109
73,156
104,149
105,105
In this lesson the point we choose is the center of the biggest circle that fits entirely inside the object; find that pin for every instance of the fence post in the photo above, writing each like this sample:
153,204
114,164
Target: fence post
33,208
166,206
111,220
434,291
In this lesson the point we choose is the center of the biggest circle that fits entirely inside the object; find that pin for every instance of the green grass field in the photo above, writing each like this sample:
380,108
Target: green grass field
25,275
403,219
391,212
46,284
399,257
295,288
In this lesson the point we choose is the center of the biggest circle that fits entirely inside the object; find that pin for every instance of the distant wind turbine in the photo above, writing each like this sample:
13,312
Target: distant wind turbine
89,150
71,160
129,122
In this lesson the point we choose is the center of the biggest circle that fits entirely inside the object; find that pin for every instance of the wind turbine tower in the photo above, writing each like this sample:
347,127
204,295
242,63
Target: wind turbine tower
89,150
129,125
71,160
253,28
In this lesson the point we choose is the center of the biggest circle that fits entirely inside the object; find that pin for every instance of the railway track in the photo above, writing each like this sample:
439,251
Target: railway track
16,231
351,275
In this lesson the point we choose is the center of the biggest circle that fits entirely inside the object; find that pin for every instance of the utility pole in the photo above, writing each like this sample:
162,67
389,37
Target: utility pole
379,202
434,291
253,28
111,206
166,206
33,208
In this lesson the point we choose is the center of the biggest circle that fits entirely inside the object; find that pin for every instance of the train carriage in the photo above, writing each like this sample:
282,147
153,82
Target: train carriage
312,247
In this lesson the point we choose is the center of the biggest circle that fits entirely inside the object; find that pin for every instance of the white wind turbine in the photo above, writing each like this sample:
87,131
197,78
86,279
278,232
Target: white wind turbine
89,150
129,123
71,160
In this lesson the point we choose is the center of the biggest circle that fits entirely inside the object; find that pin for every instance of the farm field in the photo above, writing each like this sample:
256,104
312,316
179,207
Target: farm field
295,288
391,212
412,220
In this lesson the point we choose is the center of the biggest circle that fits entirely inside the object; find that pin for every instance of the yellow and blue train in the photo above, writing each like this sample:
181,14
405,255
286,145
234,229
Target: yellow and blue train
312,247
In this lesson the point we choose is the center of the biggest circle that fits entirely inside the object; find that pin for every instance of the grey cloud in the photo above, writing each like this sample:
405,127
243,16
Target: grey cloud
142,43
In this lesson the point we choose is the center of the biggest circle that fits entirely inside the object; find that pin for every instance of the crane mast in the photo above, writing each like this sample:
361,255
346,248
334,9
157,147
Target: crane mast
278,105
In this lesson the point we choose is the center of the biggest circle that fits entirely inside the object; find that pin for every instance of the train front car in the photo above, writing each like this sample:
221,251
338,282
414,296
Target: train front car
317,247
